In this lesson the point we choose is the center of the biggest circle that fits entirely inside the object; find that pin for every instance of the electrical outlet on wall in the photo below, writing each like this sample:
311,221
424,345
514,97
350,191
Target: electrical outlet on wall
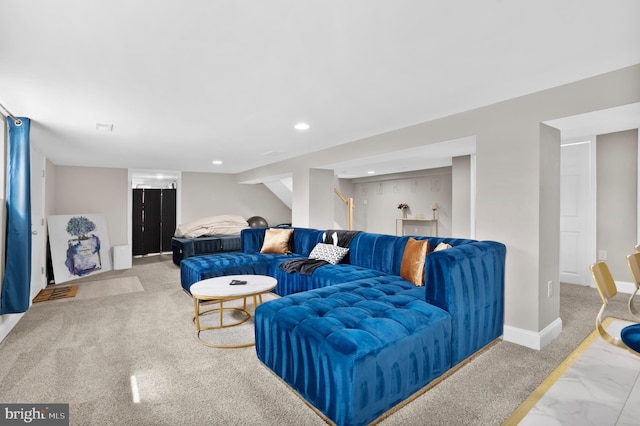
602,255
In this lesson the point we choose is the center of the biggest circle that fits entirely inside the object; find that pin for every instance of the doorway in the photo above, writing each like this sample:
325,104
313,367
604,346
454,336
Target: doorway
576,212
38,231
153,220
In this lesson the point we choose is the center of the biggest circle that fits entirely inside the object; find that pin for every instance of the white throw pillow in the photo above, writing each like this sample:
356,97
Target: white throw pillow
328,253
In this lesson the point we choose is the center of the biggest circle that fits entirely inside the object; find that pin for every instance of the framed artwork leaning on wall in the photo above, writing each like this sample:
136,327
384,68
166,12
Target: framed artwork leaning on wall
79,246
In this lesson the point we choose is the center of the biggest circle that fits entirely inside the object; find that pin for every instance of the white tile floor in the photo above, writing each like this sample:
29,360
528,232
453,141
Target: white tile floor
602,387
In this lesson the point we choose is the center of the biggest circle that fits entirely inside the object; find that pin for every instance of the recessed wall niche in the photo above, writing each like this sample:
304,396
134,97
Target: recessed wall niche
420,190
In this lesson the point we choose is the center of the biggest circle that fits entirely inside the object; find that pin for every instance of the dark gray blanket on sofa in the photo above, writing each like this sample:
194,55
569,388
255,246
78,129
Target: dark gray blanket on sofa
307,266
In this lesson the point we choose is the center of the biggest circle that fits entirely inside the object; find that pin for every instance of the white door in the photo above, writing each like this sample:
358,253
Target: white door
38,247
574,213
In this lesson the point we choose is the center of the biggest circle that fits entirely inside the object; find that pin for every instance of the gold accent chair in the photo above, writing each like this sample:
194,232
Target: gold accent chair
607,289
633,261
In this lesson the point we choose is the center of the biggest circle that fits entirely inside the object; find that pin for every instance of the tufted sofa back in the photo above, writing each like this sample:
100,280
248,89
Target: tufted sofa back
368,250
384,252
304,240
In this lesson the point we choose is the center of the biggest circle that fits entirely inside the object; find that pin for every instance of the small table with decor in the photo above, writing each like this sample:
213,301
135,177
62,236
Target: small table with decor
226,288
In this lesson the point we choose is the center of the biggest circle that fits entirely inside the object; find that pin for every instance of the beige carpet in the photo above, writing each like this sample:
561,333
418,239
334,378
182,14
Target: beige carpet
229,335
90,352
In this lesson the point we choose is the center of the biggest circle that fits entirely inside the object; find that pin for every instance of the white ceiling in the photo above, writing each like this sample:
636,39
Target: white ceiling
185,83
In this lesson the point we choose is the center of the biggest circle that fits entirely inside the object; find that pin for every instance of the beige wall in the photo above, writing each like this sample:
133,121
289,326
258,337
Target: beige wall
78,190
73,190
50,189
321,204
617,189
209,194
340,208
515,195
461,197
376,199
508,175
549,234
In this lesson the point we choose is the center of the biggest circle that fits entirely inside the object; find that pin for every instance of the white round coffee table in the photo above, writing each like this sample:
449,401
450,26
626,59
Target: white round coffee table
219,289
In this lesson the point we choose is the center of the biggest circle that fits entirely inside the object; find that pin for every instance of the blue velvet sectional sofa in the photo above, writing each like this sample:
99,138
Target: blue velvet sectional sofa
355,339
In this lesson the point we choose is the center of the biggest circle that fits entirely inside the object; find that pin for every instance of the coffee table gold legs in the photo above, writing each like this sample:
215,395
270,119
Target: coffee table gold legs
221,310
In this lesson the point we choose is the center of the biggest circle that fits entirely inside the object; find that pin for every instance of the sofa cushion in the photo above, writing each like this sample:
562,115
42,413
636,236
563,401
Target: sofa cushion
355,350
277,241
412,267
328,252
323,276
198,268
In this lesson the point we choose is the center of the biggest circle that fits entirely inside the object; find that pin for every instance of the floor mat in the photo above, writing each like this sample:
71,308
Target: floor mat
56,293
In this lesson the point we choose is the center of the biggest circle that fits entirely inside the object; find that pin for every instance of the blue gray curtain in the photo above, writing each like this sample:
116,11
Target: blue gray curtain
16,285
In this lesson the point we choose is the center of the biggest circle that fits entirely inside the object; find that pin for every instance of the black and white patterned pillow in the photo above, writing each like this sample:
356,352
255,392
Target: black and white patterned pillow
328,253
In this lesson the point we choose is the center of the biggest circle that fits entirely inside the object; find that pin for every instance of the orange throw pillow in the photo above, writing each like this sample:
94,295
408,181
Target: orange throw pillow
277,241
412,267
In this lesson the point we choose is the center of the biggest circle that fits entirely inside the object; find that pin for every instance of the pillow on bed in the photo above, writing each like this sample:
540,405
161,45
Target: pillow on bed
328,253
412,267
224,224
277,241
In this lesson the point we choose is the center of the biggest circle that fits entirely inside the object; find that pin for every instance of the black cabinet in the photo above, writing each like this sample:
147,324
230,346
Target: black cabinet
154,220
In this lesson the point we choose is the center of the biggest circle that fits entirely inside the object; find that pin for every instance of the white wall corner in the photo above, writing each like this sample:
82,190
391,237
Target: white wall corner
283,189
531,339
7,322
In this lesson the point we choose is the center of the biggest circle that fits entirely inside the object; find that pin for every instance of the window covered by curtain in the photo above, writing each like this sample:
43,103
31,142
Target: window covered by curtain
16,283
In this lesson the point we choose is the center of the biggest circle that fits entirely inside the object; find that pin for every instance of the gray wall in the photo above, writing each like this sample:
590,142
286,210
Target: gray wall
549,232
340,209
321,204
508,175
210,194
77,190
461,197
72,190
376,201
617,189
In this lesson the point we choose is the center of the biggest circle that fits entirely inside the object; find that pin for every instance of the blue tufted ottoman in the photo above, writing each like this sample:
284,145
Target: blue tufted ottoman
357,349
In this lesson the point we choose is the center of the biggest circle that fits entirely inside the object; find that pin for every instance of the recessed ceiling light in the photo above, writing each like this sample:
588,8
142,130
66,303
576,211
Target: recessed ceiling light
216,162
301,126
371,172
104,127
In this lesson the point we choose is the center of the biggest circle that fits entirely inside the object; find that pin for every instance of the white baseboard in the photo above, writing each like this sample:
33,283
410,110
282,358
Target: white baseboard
625,287
7,322
532,339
